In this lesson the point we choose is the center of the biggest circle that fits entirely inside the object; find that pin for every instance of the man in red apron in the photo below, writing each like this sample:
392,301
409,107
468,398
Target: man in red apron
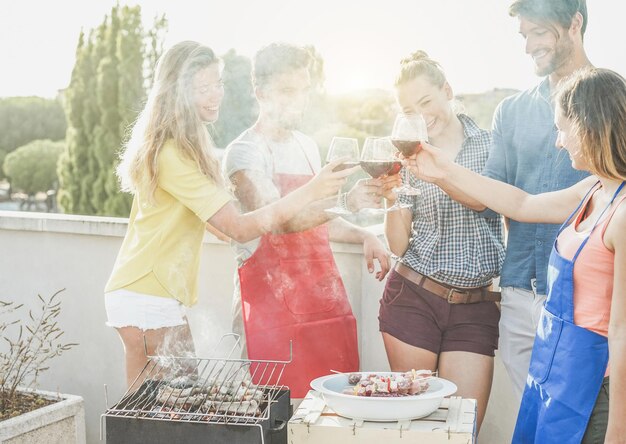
289,285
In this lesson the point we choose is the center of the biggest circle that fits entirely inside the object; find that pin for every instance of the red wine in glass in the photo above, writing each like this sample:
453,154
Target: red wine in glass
408,131
378,168
406,147
348,148
380,158
346,165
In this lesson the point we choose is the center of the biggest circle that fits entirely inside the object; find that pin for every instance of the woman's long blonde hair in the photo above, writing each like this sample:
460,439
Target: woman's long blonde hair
169,114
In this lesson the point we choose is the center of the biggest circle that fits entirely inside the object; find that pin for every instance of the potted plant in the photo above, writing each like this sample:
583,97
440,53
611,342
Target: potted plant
31,341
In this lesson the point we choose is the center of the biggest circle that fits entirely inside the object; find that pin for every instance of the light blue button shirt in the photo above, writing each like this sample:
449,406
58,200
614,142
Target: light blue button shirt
524,154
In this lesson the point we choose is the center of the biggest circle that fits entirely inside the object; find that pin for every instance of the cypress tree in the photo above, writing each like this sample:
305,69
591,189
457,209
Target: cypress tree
105,95
107,135
92,119
73,164
131,95
154,47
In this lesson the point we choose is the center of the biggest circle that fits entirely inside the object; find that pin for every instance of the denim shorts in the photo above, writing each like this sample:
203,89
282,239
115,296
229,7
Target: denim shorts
422,319
127,308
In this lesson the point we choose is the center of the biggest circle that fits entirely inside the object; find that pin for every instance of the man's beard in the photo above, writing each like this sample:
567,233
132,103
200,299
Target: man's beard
290,122
562,54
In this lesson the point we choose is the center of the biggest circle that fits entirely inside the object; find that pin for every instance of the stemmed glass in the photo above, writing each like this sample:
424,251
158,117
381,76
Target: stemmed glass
408,131
342,147
379,159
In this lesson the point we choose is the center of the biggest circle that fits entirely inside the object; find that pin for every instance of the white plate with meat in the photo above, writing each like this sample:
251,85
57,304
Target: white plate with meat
383,396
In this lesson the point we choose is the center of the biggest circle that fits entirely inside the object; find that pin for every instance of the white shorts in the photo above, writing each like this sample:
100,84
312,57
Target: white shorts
127,308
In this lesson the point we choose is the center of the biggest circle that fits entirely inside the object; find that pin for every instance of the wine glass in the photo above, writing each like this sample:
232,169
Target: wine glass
408,131
342,147
379,159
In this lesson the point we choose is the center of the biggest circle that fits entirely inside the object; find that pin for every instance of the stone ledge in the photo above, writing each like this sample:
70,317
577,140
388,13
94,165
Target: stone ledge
62,223
108,226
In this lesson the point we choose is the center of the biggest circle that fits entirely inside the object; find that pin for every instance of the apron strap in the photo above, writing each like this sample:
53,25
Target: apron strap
605,225
582,202
598,220
300,145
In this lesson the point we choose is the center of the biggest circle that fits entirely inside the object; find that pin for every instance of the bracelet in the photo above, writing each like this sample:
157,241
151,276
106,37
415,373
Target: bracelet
343,201
389,203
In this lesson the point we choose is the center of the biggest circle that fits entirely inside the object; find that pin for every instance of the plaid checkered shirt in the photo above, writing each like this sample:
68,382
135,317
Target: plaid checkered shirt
449,242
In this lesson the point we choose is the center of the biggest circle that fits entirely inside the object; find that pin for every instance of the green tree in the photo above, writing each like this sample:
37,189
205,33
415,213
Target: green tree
32,167
3,155
107,138
155,37
239,108
376,115
131,93
76,166
106,92
24,119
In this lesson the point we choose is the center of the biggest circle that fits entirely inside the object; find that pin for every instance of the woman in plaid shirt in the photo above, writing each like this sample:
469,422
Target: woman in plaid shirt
437,311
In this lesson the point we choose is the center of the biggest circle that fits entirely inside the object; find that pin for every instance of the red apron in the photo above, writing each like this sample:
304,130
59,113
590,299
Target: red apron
291,291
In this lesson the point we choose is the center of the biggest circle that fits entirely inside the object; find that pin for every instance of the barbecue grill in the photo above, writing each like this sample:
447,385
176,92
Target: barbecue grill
202,400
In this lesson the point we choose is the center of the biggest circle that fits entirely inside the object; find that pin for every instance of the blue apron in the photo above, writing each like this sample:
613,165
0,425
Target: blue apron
568,362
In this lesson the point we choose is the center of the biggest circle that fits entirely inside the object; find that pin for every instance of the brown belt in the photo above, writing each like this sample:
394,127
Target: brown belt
452,294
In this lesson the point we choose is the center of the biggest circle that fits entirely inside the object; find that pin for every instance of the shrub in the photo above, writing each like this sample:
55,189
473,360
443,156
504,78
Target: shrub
32,341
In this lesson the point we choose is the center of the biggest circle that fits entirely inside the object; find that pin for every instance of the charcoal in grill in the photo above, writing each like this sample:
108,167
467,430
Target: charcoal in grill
217,397
183,382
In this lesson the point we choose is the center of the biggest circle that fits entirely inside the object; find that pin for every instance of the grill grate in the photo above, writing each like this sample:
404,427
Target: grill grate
131,430
237,392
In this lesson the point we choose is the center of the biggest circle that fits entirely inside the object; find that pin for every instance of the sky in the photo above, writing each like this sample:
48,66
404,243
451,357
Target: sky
476,41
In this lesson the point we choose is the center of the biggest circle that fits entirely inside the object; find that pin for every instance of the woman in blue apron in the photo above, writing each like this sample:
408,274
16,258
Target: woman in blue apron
568,398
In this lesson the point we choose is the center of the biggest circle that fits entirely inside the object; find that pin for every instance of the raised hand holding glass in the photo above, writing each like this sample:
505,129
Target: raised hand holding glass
379,159
408,131
342,147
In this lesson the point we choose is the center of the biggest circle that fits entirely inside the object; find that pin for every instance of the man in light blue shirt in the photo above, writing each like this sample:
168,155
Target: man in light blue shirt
524,154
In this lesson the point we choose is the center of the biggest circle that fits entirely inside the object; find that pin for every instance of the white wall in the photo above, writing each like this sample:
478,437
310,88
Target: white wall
41,253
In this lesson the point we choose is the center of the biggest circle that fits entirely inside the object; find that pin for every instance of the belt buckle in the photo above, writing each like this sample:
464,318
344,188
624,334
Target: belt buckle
451,293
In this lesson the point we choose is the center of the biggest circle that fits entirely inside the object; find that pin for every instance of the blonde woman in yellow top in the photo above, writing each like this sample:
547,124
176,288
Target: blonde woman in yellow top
177,188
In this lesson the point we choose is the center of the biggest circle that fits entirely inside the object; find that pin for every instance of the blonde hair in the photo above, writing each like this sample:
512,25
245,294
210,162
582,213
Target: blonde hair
417,64
169,113
593,100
